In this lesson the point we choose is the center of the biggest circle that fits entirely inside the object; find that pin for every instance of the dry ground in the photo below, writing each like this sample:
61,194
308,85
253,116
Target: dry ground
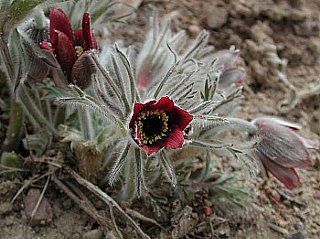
290,28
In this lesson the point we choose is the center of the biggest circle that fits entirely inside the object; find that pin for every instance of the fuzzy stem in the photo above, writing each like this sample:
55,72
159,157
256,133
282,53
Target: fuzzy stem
243,125
16,113
14,130
33,111
139,172
233,124
85,123
6,60
168,168
60,115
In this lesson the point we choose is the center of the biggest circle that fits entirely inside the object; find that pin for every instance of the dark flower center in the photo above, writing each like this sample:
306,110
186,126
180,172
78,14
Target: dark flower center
153,125
79,50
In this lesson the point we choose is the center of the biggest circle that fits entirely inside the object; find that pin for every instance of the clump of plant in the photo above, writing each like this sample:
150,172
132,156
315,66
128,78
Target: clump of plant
135,118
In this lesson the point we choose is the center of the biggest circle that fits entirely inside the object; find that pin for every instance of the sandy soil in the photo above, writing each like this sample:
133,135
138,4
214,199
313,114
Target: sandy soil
289,28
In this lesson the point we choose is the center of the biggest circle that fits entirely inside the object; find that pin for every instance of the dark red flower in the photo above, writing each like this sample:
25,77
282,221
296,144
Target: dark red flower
155,125
71,48
281,150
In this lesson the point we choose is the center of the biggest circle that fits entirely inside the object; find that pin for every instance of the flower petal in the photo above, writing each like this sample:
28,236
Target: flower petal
226,58
172,136
277,120
232,75
59,22
94,44
175,139
151,149
137,108
144,79
78,38
287,176
282,145
181,118
46,45
87,33
165,103
65,52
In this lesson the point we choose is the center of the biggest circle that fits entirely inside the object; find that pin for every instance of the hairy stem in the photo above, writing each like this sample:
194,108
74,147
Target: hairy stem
85,122
60,115
31,108
84,204
14,130
16,113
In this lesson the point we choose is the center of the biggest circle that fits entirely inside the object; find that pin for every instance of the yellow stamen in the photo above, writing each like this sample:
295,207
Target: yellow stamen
79,50
146,125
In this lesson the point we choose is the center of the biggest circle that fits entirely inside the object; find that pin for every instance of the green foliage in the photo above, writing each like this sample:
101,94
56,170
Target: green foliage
10,159
10,164
220,186
12,12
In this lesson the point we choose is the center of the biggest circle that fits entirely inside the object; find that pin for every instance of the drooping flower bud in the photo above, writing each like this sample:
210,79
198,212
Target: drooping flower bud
281,150
232,75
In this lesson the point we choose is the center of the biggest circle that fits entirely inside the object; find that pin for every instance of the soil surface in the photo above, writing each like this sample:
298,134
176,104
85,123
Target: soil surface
287,29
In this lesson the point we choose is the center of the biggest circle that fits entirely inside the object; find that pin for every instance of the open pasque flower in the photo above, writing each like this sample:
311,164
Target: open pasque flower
71,48
281,150
155,125
166,96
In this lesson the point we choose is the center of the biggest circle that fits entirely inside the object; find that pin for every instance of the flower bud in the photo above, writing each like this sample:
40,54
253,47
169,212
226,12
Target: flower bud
281,149
231,76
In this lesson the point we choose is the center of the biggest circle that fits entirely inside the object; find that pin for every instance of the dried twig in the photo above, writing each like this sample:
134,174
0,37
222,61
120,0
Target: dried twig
45,160
139,216
106,198
35,209
83,204
114,223
10,169
278,229
296,94
33,179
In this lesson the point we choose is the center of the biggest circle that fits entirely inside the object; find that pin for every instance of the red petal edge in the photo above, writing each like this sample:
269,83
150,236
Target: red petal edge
175,139
183,117
150,150
287,176
86,32
136,110
78,38
46,45
165,103
65,52
59,22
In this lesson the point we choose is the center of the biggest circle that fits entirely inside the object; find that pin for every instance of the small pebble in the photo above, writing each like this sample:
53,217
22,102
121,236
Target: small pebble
216,16
298,226
44,214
